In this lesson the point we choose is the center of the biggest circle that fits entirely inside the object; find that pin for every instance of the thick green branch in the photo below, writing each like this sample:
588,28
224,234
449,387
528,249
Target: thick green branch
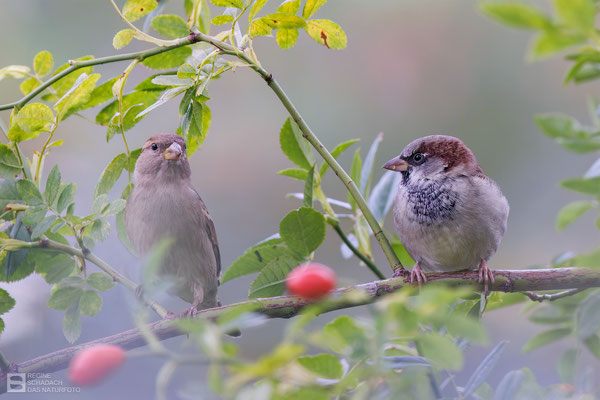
117,277
289,306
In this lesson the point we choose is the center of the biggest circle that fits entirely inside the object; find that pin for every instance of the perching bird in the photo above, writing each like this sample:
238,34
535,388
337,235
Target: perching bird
449,215
164,205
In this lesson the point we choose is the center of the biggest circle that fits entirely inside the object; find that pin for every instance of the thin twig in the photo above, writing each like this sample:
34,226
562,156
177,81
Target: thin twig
118,277
552,296
368,262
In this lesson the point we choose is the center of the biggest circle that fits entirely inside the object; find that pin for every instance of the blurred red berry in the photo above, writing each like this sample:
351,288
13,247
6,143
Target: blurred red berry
311,281
92,364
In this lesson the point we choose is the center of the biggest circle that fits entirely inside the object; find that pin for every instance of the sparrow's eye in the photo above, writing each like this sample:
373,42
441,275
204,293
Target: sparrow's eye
154,146
418,158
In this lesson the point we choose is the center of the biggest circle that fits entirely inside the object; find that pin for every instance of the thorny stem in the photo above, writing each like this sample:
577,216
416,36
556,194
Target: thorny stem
369,263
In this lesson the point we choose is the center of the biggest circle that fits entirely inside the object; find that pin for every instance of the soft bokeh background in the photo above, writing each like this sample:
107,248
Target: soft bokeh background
412,68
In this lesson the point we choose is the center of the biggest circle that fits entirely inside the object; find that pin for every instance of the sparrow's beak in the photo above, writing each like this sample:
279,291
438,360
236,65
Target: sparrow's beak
173,152
396,164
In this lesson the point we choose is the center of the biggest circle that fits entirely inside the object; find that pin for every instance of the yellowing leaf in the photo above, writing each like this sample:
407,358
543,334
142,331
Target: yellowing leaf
122,38
136,9
327,32
42,63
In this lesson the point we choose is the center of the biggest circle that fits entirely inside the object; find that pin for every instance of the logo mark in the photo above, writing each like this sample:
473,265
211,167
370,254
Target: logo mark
16,383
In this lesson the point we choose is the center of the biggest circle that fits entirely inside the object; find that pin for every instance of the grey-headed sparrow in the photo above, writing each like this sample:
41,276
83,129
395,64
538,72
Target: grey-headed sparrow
164,205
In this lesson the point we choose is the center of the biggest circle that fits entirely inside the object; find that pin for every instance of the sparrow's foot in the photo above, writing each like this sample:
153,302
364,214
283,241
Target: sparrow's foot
418,275
485,276
171,315
189,313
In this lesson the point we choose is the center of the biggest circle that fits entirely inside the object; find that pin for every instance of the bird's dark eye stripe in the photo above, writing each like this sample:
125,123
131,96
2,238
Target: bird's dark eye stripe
154,146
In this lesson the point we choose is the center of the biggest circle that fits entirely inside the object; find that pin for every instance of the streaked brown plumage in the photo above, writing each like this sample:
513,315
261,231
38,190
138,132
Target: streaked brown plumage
164,205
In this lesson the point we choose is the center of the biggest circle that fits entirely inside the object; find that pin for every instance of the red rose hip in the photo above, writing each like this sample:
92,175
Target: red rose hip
311,281
90,365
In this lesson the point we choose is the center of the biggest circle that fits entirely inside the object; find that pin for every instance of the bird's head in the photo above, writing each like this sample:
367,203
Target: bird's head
435,157
163,158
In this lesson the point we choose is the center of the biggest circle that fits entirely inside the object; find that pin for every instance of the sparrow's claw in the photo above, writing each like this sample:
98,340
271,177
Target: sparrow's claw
189,313
485,276
418,275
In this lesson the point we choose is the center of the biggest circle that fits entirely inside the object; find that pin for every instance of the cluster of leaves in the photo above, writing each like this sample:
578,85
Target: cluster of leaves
407,346
31,214
571,28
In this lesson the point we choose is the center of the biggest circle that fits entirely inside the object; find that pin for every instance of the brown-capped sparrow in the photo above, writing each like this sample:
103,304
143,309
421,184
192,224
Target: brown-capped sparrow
449,215
164,205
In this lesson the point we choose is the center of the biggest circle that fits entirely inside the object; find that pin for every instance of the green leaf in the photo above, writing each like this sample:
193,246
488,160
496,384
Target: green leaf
63,85
593,345
311,7
355,173
283,21
222,20
52,186
63,297
509,386
100,281
43,63
34,215
401,252
580,145
576,14
484,369
308,188
90,303
441,351
367,168
66,197
9,163
554,40
6,302
327,33
587,186
294,146
122,38
228,3
258,5
195,125
271,280
170,26
571,212
336,152
114,208
255,258
545,338
289,6
169,59
136,9
167,95
286,38
29,192
303,230
587,317
517,15
28,85
566,366
77,96
120,222
100,94
324,365
72,323
110,175
299,174
383,194
345,336
43,226
9,192
53,267
35,118
142,98
259,27
557,125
